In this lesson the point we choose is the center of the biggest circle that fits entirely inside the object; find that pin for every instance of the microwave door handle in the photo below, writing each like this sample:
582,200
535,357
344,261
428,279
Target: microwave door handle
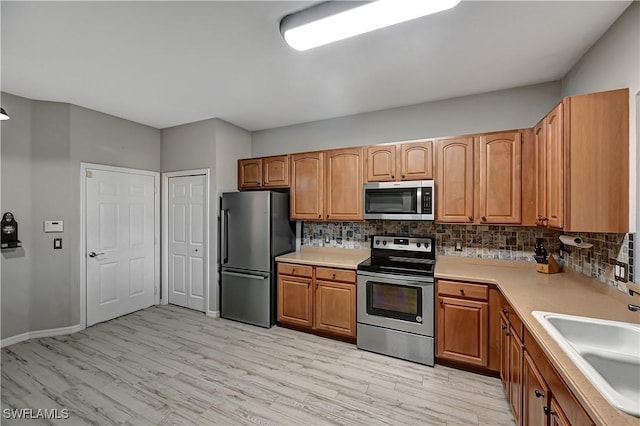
419,200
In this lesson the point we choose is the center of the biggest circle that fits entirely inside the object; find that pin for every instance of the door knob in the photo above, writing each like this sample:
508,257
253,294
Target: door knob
94,254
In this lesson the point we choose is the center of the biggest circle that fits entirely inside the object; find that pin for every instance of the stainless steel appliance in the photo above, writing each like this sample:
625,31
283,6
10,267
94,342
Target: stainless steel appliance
396,298
255,228
414,200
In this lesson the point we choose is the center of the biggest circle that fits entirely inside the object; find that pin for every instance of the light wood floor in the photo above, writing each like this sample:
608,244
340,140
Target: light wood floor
174,366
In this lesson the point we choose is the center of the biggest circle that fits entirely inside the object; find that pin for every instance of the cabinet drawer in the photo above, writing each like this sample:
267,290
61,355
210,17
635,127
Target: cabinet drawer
295,269
514,320
336,274
458,289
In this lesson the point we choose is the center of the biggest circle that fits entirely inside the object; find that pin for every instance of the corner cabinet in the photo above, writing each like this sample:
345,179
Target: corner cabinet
582,164
266,172
317,299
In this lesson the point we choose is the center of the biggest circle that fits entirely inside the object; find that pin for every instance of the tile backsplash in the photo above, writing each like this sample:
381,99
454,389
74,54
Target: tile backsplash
493,242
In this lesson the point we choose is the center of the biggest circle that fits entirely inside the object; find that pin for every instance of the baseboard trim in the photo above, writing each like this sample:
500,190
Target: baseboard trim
39,333
213,314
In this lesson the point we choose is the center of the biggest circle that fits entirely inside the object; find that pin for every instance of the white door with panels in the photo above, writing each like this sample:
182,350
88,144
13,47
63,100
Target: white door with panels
120,243
187,248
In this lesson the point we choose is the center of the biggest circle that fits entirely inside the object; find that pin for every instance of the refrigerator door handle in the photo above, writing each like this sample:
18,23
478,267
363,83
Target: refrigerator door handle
225,237
250,276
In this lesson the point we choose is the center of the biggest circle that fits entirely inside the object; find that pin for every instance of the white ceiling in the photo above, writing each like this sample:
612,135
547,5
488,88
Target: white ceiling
169,63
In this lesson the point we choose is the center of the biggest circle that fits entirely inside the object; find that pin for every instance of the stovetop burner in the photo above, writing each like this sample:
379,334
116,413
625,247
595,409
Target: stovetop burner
401,256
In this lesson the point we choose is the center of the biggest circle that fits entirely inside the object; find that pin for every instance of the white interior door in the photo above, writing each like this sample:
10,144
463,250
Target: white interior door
187,249
120,241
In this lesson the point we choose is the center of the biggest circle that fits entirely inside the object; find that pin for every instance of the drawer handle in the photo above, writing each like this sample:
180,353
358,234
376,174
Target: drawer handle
293,271
538,393
462,291
334,276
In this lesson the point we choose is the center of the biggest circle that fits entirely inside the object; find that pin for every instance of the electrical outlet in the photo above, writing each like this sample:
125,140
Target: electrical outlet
619,270
458,245
326,239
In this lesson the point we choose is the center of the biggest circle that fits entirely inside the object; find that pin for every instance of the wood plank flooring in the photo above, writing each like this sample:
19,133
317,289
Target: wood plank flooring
168,365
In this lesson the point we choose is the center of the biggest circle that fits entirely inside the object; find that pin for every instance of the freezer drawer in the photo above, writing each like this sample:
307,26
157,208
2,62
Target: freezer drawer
247,296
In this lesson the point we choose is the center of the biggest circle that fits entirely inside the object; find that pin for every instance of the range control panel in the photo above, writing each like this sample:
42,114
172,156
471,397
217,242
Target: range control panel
402,243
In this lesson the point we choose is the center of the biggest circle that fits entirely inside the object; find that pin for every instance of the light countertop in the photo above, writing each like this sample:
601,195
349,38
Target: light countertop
567,292
331,257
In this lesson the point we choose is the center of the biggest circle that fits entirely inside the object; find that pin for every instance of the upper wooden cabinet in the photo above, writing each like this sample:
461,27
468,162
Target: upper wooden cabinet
401,161
307,186
266,172
500,186
344,180
479,179
250,173
454,180
583,164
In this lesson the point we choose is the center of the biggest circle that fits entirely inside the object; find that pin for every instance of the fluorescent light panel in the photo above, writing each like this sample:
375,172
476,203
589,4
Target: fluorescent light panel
358,20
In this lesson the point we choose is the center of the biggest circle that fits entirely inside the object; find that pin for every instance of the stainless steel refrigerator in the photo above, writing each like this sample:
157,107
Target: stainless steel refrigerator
254,229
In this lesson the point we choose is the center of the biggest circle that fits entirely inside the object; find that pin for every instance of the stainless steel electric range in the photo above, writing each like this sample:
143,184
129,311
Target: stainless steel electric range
396,298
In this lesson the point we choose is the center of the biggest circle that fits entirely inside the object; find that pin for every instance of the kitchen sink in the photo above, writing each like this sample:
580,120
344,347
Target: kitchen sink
607,352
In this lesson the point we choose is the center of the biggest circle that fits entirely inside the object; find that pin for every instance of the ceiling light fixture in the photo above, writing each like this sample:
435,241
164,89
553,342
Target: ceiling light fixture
336,20
3,114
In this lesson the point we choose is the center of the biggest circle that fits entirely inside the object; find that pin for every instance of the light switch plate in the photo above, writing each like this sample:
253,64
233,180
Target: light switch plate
57,243
53,226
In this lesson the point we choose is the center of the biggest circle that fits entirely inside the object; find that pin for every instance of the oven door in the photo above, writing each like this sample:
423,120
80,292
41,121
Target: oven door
397,302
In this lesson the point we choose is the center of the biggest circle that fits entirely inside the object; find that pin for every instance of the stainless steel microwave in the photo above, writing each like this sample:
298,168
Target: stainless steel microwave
412,200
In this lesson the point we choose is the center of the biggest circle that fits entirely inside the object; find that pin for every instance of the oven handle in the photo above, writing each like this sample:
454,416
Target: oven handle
405,279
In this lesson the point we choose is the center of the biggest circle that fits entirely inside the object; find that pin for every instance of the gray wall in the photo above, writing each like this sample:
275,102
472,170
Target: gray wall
16,183
614,63
213,144
42,146
505,109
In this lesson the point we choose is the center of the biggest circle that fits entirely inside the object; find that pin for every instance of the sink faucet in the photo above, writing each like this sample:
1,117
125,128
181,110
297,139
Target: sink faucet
634,308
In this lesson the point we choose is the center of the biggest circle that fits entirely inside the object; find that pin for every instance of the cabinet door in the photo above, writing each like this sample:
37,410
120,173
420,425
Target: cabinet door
557,416
463,329
307,186
416,160
554,129
275,171
295,301
540,142
516,349
344,176
335,307
505,344
500,173
454,184
381,163
535,396
250,173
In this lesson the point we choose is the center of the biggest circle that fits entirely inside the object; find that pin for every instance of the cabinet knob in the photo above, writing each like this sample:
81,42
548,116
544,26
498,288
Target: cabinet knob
506,312
507,334
538,393
462,291
327,216
504,327
484,218
334,276
402,176
293,270
319,216
470,218
393,176
548,411
441,302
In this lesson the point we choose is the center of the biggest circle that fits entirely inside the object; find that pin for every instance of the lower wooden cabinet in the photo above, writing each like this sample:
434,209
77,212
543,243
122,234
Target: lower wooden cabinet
535,395
516,353
556,415
462,330
335,307
295,300
504,352
318,299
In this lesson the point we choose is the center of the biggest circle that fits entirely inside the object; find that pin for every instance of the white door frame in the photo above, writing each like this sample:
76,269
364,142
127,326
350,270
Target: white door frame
165,232
83,231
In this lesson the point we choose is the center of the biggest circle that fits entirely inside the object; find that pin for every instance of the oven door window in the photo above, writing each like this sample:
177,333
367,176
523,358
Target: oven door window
394,301
391,200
